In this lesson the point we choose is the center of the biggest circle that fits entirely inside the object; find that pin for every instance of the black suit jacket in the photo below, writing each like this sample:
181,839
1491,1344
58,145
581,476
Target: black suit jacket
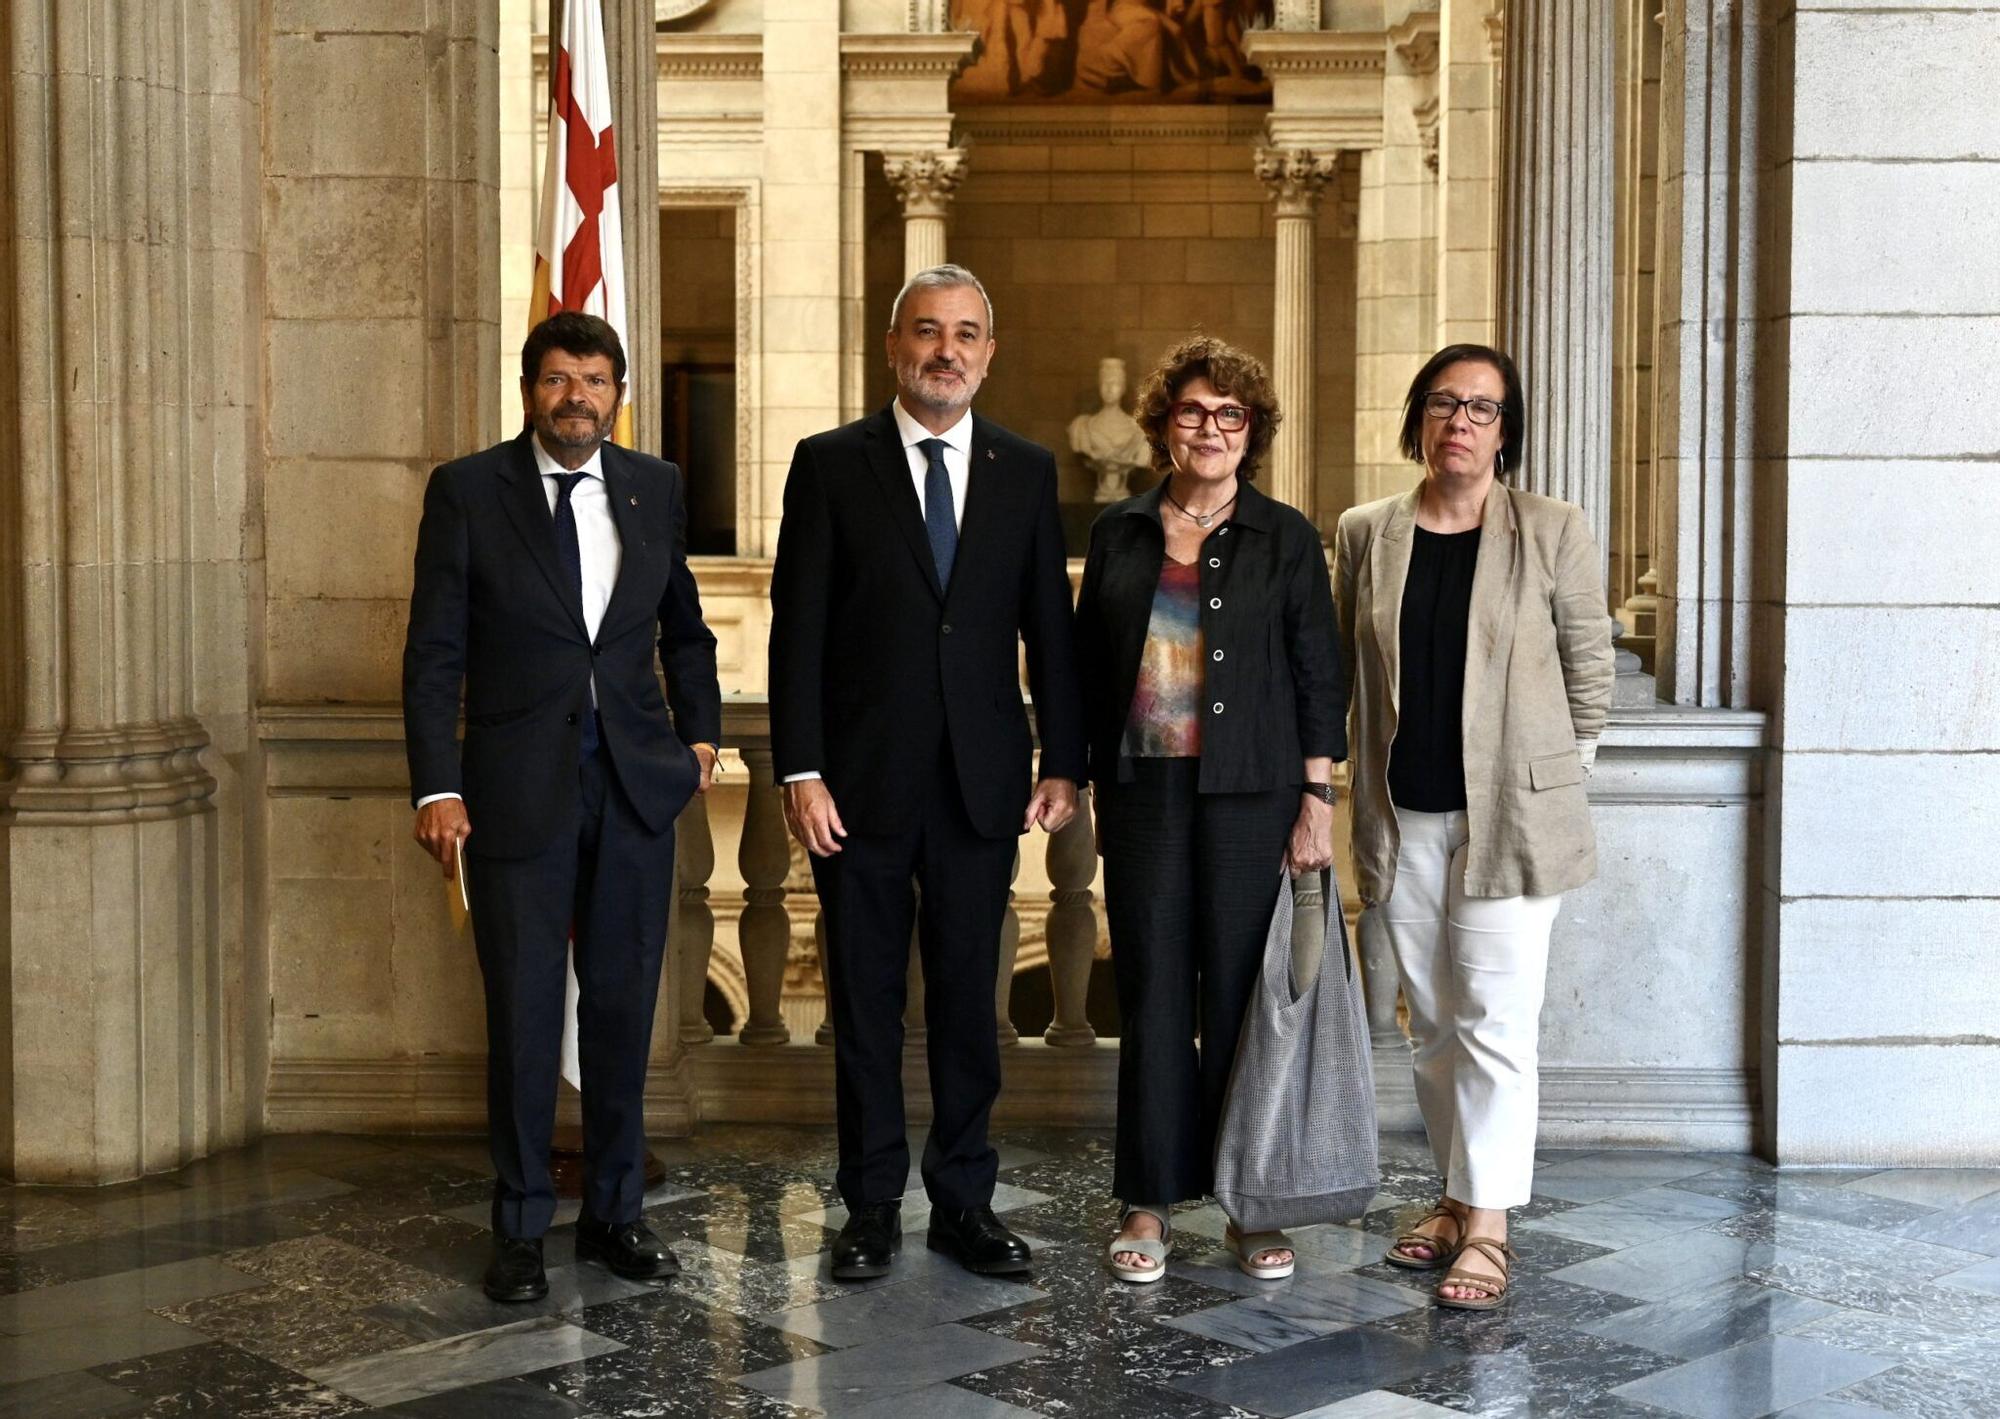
873,668
494,610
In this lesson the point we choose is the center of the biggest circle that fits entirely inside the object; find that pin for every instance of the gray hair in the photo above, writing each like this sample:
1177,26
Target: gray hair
937,278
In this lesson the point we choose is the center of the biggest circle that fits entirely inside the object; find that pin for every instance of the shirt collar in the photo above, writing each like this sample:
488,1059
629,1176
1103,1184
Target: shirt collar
546,465
958,436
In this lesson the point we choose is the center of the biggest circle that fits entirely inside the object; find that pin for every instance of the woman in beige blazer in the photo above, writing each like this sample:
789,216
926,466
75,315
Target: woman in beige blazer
1474,634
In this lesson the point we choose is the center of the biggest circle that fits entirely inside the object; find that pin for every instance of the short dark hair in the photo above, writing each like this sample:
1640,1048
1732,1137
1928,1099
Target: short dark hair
1513,406
1237,373
574,333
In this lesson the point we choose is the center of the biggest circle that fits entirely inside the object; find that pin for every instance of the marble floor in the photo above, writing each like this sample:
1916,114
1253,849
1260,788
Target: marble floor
331,1275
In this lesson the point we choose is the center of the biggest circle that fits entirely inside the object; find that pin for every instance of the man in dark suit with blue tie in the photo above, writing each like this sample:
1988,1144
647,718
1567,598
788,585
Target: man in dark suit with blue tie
547,569
920,549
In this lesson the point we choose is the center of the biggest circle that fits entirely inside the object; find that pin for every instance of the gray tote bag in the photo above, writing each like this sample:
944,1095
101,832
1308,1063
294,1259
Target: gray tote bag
1297,1143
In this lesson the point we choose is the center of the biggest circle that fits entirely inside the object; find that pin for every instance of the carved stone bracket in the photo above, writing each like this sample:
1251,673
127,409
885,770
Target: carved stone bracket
1295,177
925,180
1416,42
1426,114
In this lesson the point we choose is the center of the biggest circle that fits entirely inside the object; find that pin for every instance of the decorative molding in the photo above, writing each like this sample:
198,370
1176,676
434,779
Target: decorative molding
709,56
925,180
89,778
913,56
1315,52
1496,34
1416,41
1295,177
666,12
928,17
1426,114
1134,123
1603,1106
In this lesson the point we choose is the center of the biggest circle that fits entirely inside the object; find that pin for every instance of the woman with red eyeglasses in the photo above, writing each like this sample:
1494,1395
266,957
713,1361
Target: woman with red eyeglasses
1215,709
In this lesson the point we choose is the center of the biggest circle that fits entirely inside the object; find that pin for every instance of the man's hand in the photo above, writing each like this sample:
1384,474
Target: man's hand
810,814
705,756
1311,845
441,827
1053,805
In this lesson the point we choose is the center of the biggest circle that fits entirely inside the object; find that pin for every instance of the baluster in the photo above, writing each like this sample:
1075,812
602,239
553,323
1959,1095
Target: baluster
1072,927
1010,950
764,932
824,1034
1379,984
914,1029
695,931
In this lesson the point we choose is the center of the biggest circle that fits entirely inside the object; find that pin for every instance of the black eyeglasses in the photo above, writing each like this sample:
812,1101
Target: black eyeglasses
1229,418
1443,406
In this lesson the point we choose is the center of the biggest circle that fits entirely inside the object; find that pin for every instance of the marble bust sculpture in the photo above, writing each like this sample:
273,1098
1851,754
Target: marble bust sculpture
1110,442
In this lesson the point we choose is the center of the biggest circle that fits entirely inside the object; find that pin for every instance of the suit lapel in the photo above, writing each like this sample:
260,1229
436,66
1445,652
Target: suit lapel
892,471
622,489
528,508
1490,629
982,494
1388,572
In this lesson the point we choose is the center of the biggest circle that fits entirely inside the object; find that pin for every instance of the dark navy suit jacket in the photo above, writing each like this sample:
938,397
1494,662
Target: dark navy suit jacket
493,611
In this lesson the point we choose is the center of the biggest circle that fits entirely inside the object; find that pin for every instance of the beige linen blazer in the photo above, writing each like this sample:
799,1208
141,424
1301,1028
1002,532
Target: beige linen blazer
1538,678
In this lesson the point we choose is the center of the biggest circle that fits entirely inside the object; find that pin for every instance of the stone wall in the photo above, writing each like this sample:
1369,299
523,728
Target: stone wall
1092,250
1882,641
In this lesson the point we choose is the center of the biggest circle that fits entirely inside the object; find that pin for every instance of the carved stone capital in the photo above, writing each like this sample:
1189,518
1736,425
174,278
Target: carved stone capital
925,180
1295,177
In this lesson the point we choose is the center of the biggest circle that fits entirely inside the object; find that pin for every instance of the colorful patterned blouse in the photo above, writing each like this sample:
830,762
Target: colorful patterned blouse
1165,722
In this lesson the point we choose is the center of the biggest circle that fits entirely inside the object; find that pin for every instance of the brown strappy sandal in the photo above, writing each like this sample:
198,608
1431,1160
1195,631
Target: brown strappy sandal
1441,1251
1495,1287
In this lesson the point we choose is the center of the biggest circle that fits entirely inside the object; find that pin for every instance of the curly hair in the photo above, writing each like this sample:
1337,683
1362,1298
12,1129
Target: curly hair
1233,372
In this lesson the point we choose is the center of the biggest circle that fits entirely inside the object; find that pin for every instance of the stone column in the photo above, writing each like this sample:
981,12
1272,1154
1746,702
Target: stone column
635,69
1295,177
127,1041
1558,130
925,181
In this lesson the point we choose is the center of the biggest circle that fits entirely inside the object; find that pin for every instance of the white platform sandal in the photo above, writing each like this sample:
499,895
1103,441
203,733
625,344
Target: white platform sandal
1249,1246
1155,1249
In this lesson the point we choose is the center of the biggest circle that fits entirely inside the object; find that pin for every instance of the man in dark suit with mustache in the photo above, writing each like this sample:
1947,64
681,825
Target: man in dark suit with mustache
920,548
547,569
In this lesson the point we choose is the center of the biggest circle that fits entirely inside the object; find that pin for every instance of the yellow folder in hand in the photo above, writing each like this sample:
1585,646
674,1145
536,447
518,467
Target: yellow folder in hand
454,889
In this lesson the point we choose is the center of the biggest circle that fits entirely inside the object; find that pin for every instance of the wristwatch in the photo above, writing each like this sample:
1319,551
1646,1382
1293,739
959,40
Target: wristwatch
1322,791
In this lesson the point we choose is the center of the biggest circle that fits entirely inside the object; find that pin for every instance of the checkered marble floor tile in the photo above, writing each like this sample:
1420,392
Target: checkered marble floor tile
310,1276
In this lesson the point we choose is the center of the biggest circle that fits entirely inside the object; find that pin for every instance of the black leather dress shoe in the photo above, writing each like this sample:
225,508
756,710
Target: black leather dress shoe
978,1241
868,1244
630,1249
515,1273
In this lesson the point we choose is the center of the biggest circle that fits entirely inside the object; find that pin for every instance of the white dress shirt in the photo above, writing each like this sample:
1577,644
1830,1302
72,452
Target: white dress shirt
957,467
597,543
957,457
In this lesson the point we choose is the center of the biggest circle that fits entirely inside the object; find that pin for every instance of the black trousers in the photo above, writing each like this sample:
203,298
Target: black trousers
1190,881
611,878
869,892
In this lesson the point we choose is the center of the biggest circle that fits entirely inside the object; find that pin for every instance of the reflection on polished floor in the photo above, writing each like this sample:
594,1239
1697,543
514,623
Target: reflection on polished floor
333,1275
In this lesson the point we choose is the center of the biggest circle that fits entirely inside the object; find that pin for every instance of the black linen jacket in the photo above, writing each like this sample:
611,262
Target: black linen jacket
1273,694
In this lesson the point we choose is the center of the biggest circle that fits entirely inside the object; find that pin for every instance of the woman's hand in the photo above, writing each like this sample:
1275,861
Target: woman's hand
1311,845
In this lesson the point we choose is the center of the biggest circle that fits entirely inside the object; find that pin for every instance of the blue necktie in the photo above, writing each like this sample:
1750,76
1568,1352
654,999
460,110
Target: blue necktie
570,553
938,521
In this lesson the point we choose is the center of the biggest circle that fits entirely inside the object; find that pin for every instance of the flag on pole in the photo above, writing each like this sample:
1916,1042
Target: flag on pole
579,242
580,250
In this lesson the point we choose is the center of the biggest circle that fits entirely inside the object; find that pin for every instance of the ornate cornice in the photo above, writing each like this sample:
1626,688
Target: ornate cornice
710,56
1416,41
907,56
1135,123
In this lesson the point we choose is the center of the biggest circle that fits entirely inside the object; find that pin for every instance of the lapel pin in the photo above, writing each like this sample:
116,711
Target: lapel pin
989,455
635,502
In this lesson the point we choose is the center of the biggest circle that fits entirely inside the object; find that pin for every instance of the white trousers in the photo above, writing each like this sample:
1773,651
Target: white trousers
1473,971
